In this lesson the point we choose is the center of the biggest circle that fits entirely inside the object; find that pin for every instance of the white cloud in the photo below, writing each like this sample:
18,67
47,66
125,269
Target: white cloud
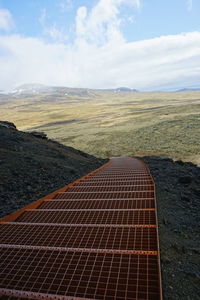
6,20
51,31
131,19
168,61
42,18
55,33
102,24
100,57
65,5
189,4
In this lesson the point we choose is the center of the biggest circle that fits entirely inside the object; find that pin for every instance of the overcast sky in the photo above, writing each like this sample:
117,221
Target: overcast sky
142,44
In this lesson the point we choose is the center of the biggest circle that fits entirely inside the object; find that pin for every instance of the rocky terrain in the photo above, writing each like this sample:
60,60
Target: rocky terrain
178,201
32,166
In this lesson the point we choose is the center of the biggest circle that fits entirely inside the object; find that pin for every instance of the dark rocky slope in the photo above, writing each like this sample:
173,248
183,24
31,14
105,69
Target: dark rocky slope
31,166
178,201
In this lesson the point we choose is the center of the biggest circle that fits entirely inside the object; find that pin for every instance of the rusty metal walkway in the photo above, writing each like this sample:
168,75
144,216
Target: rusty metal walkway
96,238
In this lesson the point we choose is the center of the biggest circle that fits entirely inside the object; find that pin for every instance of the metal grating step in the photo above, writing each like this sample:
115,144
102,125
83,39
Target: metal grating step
120,176
107,195
85,275
115,188
110,182
116,177
91,217
94,239
80,237
97,204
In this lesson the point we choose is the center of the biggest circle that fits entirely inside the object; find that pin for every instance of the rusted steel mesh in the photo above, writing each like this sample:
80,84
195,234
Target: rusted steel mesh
94,239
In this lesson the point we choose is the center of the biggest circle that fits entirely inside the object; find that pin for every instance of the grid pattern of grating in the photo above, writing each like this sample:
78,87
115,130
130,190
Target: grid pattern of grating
80,237
97,204
106,195
116,178
91,217
119,182
81,274
119,176
125,188
96,240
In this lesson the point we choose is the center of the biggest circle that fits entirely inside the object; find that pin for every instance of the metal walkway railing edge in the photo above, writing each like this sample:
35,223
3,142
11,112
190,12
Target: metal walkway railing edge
157,228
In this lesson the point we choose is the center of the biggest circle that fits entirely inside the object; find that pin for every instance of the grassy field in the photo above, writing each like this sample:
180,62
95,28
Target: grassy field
106,123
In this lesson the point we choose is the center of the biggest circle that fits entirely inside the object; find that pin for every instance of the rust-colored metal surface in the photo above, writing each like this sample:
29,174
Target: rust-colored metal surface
98,204
96,238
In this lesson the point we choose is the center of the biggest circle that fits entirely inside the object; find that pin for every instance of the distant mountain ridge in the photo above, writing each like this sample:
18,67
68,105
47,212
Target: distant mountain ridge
32,88
35,88
126,90
188,89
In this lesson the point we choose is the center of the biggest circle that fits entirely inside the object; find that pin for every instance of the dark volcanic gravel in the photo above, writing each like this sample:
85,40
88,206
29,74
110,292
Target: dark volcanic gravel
32,167
178,201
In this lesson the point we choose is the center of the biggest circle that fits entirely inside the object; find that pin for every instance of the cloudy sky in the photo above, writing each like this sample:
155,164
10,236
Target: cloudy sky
142,44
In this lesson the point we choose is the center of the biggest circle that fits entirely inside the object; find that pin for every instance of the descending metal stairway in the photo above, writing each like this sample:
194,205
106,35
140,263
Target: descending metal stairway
96,238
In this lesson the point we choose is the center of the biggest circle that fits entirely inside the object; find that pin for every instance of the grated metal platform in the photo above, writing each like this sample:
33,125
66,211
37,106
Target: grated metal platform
96,238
